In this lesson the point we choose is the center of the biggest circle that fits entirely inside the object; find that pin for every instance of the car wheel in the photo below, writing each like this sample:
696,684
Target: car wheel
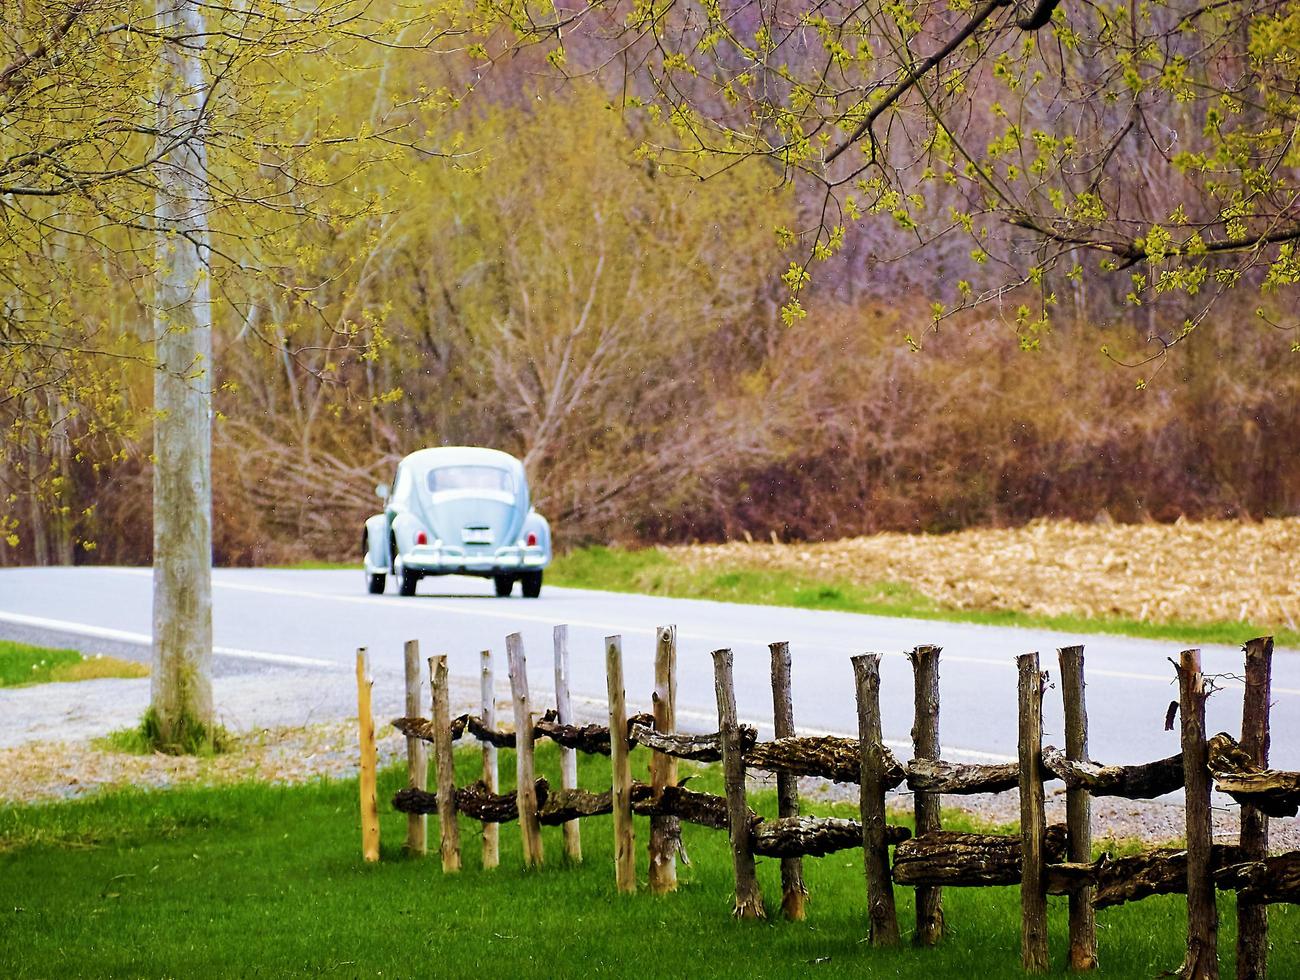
532,582
374,582
408,581
504,585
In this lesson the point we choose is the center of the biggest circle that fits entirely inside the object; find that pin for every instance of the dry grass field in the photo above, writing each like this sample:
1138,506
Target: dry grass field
1187,572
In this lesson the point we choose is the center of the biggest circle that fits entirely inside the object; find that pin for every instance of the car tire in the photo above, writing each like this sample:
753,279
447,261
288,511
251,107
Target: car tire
374,580
504,585
408,582
532,583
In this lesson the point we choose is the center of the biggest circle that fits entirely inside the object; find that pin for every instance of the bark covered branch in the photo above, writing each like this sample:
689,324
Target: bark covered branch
952,858
1142,782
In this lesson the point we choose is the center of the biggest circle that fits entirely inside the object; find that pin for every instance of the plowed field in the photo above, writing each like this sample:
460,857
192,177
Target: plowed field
1203,572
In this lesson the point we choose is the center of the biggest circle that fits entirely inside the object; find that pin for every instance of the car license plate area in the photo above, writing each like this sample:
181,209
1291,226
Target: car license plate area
477,535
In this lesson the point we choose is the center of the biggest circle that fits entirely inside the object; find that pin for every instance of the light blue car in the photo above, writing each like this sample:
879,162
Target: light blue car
457,510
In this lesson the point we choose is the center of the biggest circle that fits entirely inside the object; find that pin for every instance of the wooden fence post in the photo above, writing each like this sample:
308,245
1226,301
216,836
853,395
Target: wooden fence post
530,830
749,899
925,745
1202,962
1078,808
1252,918
875,846
488,710
417,765
448,829
624,838
793,890
568,756
665,831
369,762
1034,954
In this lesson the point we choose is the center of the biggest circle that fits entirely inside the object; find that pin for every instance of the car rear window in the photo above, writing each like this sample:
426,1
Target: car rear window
470,478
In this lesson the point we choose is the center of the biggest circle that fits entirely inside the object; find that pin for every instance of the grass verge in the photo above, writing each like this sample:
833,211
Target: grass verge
193,738
260,879
652,571
21,665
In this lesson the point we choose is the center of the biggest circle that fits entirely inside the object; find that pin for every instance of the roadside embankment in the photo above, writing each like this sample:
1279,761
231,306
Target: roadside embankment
1210,581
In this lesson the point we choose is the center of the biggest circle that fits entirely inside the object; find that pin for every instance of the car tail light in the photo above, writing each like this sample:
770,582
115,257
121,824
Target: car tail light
532,540
421,537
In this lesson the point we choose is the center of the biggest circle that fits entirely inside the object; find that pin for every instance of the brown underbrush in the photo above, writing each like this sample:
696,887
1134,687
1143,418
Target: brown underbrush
867,435
832,428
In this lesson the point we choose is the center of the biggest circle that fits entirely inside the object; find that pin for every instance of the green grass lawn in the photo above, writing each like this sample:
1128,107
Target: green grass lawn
267,880
21,664
654,572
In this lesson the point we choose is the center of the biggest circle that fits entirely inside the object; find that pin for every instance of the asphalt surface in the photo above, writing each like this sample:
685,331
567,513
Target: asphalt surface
275,620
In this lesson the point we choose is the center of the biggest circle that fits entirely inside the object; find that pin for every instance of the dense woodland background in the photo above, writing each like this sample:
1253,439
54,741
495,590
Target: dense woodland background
545,286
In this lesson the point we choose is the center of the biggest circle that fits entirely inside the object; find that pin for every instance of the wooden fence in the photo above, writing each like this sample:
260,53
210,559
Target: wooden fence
1042,860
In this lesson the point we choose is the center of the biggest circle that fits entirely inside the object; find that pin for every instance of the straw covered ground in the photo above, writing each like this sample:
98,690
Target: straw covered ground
1191,572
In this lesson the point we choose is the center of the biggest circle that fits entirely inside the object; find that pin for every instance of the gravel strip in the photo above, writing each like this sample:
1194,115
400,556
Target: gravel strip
289,726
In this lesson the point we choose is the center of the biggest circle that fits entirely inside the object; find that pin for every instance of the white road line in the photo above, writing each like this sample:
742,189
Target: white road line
124,636
496,612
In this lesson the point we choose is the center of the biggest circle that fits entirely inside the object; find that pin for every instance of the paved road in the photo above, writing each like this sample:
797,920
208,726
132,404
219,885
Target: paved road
317,619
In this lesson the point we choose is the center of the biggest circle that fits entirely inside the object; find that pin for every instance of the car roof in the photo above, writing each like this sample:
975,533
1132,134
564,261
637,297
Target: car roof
427,459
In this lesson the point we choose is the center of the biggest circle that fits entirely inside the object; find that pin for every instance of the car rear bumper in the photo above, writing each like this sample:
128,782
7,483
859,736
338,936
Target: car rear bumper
450,560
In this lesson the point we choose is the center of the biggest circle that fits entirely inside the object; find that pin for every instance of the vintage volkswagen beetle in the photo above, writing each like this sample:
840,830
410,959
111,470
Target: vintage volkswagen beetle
457,510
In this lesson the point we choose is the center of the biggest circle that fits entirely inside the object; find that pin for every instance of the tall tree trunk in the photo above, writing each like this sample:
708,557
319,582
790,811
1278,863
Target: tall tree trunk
182,628
35,509
62,540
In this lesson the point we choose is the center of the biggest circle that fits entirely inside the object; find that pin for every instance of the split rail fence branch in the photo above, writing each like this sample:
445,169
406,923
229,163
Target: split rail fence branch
1043,860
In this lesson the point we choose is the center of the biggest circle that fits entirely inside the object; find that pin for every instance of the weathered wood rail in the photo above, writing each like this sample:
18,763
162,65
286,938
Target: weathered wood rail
1042,860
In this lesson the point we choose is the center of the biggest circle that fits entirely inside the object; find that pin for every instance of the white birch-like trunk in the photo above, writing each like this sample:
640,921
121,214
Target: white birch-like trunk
62,543
182,521
35,511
